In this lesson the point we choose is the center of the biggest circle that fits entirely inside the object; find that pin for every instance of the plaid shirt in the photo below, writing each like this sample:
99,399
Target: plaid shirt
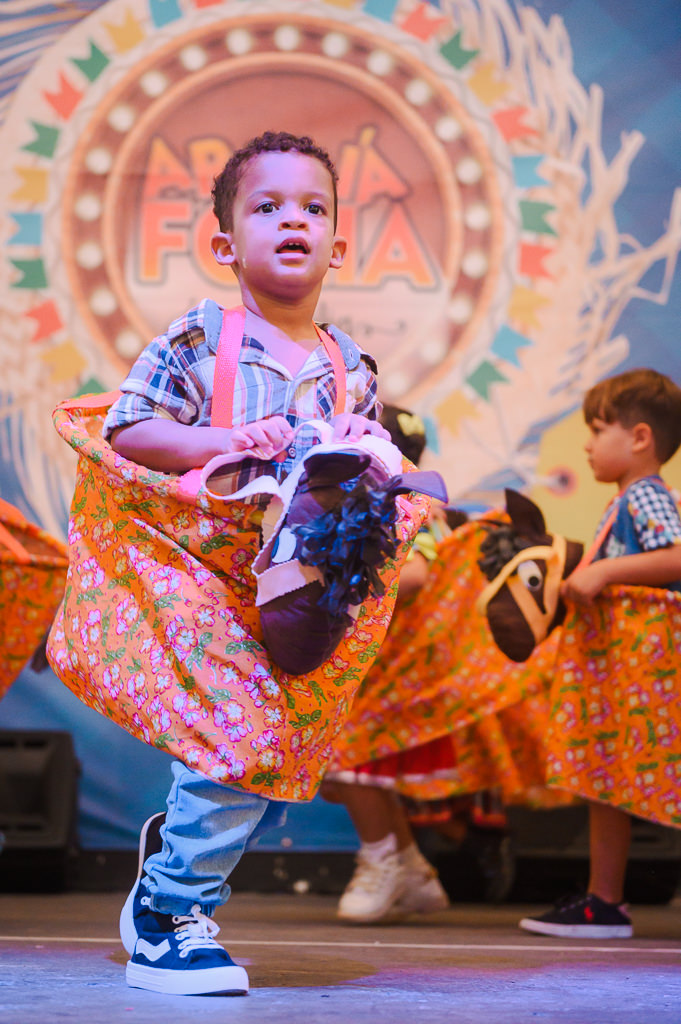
173,378
647,519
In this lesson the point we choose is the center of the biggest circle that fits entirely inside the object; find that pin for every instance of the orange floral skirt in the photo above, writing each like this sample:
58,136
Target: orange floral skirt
32,577
615,719
442,712
159,630
594,713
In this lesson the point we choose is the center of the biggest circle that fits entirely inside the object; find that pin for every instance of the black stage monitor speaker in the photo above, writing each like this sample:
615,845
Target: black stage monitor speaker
544,854
38,810
552,850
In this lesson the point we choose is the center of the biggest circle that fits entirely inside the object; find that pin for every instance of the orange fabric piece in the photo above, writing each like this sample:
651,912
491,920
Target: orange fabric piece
31,587
594,713
615,725
440,675
159,629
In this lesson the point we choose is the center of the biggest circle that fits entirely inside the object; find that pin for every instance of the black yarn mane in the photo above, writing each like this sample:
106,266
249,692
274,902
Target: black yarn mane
500,545
350,544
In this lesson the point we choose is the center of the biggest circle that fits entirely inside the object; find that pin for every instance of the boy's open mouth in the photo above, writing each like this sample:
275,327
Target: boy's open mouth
294,245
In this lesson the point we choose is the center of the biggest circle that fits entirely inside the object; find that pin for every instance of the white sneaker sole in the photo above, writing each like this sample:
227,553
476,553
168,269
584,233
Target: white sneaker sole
577,931
209,981
386,915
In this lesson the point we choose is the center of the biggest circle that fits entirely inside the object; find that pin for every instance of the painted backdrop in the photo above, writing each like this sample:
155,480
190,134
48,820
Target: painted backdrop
508,187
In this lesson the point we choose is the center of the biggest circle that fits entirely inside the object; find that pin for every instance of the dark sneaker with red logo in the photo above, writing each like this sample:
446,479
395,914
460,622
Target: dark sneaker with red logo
582,917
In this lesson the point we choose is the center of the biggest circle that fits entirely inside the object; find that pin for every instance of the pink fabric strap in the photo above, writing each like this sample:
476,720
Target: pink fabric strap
589,556
227,361
338,363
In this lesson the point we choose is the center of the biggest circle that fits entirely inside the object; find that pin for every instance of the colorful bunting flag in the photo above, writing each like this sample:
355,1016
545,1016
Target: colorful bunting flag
47,318
524,306
65,100
423,23
33,187
32,274
45,141
506,344
486,84
29,229
525,171
482,378
383,9
93,65
511,124
531,260
533,216
128,34
65,361
454,52
163,12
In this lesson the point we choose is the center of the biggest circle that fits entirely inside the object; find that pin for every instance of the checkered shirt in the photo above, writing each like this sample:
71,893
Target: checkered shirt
173,379
647,519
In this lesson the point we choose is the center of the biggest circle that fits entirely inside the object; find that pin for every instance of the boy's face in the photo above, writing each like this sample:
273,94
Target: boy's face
611,449
283,240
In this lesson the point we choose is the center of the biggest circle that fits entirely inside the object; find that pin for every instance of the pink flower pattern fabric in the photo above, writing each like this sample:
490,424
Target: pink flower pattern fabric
30,591
615,725
159,630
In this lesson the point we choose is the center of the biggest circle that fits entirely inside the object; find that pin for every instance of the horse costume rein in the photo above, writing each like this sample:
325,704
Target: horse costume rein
538,621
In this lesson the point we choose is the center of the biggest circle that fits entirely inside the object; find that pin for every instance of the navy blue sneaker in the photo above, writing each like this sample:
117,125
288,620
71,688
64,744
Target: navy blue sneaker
138,899
584,917
178,955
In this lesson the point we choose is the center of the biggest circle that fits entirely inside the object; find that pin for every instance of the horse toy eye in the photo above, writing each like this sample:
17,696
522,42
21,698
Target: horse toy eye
530,574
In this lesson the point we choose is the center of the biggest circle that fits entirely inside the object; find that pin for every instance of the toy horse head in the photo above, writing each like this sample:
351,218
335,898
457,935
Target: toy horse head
525,566
328,530
323,555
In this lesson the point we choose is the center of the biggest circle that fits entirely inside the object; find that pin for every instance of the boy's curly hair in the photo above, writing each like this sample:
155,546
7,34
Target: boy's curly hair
639,396
227,181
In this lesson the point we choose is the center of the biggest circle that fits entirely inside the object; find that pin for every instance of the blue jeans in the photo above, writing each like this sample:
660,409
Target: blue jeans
207,828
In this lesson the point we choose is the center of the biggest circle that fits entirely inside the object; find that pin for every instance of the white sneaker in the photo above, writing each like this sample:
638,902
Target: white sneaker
423,893
374,890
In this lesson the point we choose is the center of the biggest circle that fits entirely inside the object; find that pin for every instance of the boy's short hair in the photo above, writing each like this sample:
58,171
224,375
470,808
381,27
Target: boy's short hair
639,396
407,431
227,181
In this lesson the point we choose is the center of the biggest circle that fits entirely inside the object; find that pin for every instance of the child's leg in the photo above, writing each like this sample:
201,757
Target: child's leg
376,813
609,839
165,923
599,913
207,828
392,878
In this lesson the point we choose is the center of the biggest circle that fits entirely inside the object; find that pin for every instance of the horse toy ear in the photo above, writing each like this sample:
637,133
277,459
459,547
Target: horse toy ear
527,518
323,557
525,566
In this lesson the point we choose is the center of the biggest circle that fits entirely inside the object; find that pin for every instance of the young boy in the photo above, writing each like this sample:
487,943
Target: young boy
275,202
635,427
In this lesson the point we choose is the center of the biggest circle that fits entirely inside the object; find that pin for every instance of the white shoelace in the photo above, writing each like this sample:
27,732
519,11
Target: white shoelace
195,931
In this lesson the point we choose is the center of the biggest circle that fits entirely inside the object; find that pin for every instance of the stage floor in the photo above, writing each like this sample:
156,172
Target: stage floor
61,960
